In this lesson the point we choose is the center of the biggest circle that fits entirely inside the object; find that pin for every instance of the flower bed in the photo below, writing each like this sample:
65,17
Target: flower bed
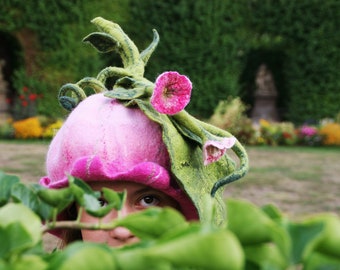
230,115
30,128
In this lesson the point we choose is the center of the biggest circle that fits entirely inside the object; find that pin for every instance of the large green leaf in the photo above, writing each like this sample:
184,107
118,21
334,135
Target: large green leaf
27,195
58,198
143,224
250,224
15,239
329,242
115,200
319,261
84,256
6,183
267,256
200,249
304,236
20,228
29,262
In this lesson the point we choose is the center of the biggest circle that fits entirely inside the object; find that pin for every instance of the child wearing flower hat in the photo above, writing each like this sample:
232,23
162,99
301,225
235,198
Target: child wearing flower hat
136,136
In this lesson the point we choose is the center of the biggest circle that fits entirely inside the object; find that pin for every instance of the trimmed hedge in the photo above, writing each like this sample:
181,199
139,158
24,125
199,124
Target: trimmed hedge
58,27
218,44
308,32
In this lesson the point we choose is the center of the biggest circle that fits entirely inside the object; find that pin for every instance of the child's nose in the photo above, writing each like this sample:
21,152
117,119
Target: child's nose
123,235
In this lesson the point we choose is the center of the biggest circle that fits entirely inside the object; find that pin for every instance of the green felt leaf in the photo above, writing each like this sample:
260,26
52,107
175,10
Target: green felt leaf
187,165
6,183
145,55
125,94
102,42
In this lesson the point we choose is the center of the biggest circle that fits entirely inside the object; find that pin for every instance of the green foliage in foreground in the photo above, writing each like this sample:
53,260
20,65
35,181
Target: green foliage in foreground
255,238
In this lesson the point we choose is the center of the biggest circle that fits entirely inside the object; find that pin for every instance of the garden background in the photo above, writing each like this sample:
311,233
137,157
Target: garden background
219,45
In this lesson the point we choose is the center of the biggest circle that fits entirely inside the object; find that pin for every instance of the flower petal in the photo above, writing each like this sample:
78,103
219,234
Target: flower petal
172,93
214,150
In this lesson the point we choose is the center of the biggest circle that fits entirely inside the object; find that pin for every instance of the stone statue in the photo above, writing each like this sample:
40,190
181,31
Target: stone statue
265,96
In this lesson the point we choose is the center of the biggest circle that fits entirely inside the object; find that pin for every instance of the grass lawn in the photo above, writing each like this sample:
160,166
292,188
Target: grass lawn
299,180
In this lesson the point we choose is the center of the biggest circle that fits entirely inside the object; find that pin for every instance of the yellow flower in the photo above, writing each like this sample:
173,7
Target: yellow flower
331,133
264,123
52,129
28,128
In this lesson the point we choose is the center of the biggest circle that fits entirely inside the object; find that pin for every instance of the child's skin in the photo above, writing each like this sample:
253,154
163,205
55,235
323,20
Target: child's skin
139,197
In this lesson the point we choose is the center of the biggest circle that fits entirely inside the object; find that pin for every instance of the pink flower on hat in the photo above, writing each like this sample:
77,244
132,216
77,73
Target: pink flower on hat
214,150
172,92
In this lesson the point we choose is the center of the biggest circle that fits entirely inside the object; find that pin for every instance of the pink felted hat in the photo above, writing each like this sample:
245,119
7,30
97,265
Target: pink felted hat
104,140
134,129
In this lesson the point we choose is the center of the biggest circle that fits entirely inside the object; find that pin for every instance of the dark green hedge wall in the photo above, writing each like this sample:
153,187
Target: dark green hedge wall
59,27
197,38
309,33
218,44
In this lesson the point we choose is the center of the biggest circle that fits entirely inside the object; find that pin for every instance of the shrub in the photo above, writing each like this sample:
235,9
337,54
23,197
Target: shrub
269,132
6,130
230,115
273,133
52,129
309,135
29,128
25,104
287,133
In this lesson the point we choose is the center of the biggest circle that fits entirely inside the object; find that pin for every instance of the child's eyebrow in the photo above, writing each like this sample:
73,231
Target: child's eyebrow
146,190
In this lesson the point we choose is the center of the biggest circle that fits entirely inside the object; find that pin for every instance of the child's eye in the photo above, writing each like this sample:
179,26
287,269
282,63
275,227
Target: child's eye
148,201
102,202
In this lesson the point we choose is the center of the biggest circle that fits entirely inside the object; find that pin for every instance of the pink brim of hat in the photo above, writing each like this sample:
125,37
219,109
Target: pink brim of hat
147,173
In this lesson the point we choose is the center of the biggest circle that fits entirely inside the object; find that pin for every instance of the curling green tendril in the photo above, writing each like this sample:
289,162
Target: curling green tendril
130,85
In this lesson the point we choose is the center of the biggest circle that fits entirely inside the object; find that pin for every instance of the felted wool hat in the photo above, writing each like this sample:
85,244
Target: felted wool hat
137,130
104,140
